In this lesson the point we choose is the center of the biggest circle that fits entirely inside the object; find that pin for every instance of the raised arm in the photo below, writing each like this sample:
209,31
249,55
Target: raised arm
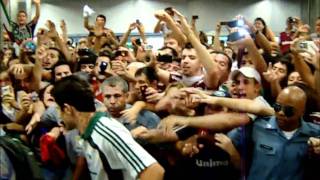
301,66
55,37
215,122
216,42
204,56
163,16
37,15
238,105
158,27
256,58
140,28
125,36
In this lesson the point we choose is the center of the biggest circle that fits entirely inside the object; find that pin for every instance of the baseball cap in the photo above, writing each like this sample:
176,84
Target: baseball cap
248,72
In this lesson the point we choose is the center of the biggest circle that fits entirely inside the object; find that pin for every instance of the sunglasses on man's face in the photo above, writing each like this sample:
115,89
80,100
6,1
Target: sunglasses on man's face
287,110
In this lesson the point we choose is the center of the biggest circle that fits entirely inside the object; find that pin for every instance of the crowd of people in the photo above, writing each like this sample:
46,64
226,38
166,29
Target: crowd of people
247,108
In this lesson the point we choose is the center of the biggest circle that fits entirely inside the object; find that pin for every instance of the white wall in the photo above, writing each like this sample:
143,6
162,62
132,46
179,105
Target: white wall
120,13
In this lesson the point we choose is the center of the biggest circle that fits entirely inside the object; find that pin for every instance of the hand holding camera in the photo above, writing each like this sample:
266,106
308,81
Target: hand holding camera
8,98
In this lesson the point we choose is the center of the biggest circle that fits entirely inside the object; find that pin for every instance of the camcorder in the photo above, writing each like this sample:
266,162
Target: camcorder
307,46
5,90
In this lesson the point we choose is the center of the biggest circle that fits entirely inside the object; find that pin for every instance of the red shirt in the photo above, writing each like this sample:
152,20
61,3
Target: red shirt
284,38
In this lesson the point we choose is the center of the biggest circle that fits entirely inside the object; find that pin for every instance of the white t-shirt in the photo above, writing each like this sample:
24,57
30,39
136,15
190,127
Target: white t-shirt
120,149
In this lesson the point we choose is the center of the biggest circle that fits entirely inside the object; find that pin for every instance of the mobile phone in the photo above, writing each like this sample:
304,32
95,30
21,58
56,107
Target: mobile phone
235,37
234,23
165,58
303,45
137,21
34,96
103,67
143,90
195,17
5,90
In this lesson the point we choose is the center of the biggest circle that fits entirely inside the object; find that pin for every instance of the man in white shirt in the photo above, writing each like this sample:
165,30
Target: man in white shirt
109,149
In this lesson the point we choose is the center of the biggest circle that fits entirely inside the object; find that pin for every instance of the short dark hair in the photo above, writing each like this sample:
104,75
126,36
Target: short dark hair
102,16
188,45
174,52
149,72
223,53
76,92
22,11
116,81
59,63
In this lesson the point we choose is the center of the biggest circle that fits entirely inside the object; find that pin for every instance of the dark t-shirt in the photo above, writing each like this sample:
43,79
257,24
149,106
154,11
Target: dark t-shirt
20,34
210,163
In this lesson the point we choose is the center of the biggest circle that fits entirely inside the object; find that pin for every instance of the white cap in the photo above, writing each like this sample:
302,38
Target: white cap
248,72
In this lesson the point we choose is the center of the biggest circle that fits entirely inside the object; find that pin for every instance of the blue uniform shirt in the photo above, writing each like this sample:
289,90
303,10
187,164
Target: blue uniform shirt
273,155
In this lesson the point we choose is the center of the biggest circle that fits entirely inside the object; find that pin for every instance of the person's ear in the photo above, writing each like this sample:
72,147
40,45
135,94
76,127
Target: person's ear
126,95
67,109
257,88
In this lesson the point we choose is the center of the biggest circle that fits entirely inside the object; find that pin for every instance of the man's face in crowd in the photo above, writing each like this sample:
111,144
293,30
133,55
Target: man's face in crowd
247,88
114,99
294,77
87,68
141,80
4,79
24,82
170,42
222,61
280,70
246,62
190,63
173,66
100,21
51,59
22,18
83,43
62,71
48,100
7,54
292,100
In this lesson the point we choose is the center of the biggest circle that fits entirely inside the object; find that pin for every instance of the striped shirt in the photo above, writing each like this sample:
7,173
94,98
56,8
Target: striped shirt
117,146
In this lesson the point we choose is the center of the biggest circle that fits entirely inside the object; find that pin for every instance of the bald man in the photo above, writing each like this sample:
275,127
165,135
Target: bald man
280,142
